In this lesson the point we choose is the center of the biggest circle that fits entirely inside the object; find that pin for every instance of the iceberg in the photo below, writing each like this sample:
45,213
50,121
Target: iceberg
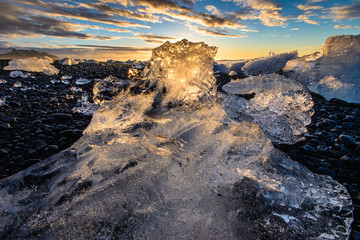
268,65
33,64
68,61
166,162
281,106
335,74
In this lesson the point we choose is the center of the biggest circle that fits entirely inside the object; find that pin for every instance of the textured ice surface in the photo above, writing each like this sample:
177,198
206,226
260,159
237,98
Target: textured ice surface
84,106
33,64
184,70
281,106
336,74
107,88
148,169
269,64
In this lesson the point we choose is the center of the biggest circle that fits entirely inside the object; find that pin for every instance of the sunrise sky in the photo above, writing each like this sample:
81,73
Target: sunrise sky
129,29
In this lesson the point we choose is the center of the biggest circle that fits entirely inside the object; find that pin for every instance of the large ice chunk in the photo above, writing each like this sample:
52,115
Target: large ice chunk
33,64
269,64
281,107
147,169
336,74
184,69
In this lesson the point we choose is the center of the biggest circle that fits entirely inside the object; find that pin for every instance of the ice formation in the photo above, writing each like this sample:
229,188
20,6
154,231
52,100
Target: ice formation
269,64
17,73
106,89
82,81
336,74
68,61
156,164
33,64
281,106
84,106
186,73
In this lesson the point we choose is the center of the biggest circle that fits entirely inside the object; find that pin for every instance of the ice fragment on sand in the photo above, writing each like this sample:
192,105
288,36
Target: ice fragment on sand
15,74
82,81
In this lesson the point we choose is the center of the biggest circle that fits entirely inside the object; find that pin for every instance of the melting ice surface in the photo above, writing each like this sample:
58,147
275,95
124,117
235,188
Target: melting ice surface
157,163
281,106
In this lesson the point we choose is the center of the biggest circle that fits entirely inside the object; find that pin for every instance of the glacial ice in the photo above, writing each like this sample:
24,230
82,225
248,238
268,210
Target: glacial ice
159,164
268,65
68,61
281,107
84,106
33,64
17,73
336,74
82,81
176,72
107,88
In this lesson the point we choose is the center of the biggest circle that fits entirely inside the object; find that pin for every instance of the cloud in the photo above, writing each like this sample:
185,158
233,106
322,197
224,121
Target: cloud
212,9
267,11
153,41
123,12
295,29
315,1
305,18
152,38
308,7
348,11
14,21
80,11
345,26
115,48
219,33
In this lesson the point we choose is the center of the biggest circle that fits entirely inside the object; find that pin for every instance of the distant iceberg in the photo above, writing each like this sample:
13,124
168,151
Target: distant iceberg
33,64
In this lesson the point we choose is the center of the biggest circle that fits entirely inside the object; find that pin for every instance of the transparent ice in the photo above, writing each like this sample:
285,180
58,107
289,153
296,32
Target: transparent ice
33,64
17,73
82,81
281,107
268,65
162,164
336,74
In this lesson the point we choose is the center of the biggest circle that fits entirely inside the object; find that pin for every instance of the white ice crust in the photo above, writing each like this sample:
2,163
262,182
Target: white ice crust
33,64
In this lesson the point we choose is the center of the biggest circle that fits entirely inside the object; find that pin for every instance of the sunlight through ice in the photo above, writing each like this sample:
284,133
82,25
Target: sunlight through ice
164,161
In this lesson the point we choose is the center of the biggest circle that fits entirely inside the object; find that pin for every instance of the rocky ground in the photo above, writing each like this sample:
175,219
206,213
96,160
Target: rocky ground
37,121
